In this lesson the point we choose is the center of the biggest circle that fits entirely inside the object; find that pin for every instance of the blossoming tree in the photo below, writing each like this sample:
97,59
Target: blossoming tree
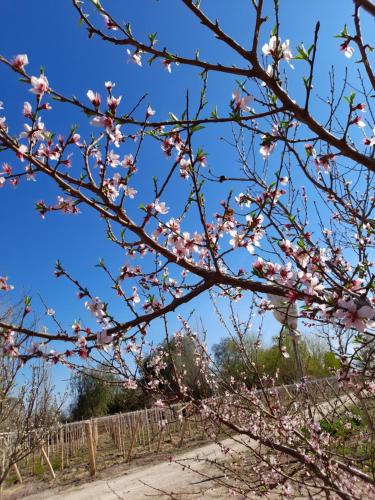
299,204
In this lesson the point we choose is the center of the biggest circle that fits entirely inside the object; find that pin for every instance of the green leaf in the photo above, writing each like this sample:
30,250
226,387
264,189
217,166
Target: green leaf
301,53
96,4
196,128
214,113
173,117
152,38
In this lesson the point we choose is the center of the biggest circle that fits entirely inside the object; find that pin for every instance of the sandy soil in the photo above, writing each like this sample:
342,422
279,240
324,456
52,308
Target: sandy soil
163,480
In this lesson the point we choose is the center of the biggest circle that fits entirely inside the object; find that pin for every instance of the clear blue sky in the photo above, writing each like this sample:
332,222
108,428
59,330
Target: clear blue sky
49,33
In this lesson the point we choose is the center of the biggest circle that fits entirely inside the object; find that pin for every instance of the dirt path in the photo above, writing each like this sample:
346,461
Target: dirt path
150,481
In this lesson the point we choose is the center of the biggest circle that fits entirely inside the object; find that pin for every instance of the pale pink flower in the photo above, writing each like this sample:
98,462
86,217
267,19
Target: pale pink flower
39,85
113,102
102,121
136,299
241,102
104,337
278,50
109,23
370,141
150,111
346,49
27,110
352,316
116,136
269,49
266,147
19,62
160,207
113,159
109,85
130,192
4,286
359,122
81,342
94,97
21,151
286,52
167,65
130,384
134,58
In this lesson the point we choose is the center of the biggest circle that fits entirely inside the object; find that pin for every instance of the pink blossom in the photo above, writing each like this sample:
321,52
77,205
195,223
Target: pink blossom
27,110
116,136
359,122
346,49
75,139
352,316
95,98
267,146
4,286
39,85
270,48
277,50
104,337
113,102
97,309
160,207
109,23
150,111
113,159
66,205
284,180
102,121
370,141
19,62
130,384
81,342
130,192
21,151
9,347
135,298
241,102
135,58
167,65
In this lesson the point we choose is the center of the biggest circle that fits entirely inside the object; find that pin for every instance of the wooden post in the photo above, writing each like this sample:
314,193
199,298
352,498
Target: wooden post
48,463
18,474
133,428
91,448
159,439
148,430
183,430
62,448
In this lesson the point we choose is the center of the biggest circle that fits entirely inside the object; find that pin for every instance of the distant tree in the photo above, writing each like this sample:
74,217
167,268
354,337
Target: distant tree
97,393
28,407
232,359
175,364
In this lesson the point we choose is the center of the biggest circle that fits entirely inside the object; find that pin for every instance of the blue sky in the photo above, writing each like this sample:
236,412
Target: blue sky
50,34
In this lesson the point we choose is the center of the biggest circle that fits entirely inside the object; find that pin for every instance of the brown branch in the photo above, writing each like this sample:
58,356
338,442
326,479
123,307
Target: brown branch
358,40
367,5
